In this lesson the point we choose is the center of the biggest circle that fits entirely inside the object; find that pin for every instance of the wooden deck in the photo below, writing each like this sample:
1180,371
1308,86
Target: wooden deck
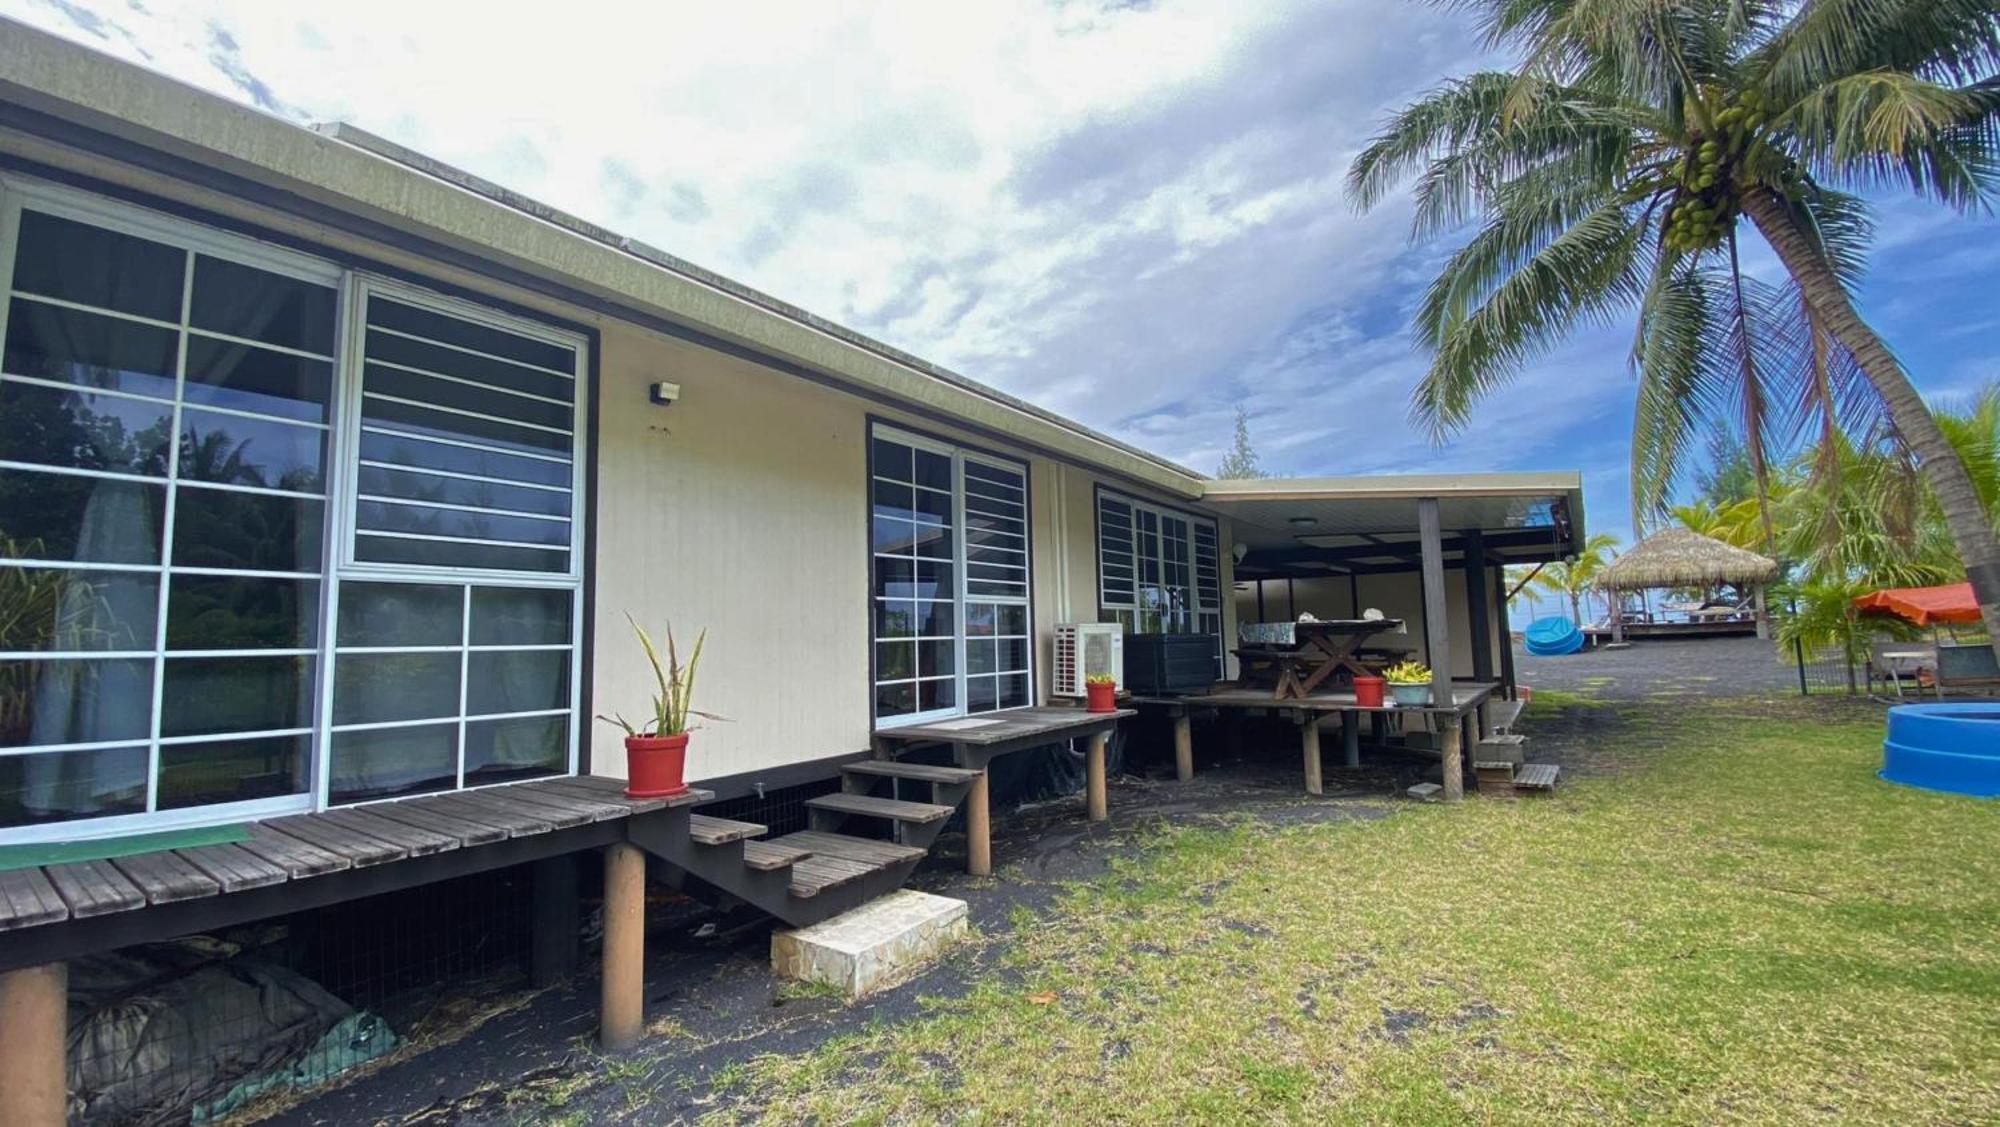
308,847
1465,698
1727,628
1019,727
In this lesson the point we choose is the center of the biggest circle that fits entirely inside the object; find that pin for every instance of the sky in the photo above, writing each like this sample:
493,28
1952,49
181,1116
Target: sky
1128,212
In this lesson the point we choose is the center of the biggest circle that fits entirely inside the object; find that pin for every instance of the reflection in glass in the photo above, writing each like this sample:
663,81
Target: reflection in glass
66,611
462,333
415,486
243,377
197,774
204,695
246,531
456,396
498,751
520,616
225,612
520,681
401,614
78,430
54,343
234,450
436,553
427,357
75,701
45,516
62,258
404,450
57,786
377,688
388,762
244,301
456,523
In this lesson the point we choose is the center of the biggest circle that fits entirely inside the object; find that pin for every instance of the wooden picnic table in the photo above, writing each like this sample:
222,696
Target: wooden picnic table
1324,647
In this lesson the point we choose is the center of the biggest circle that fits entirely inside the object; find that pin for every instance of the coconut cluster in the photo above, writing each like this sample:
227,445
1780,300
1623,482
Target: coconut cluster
1704,206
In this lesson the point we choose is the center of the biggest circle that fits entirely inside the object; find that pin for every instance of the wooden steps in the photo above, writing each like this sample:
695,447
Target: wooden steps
868,805
720,831
769,856
1536,776
836,859
921,772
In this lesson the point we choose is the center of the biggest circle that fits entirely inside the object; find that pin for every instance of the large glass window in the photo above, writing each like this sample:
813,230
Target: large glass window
1159,570
950,532
187,456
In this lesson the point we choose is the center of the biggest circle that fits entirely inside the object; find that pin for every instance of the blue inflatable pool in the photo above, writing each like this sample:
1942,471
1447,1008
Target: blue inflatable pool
1552,637
1944,746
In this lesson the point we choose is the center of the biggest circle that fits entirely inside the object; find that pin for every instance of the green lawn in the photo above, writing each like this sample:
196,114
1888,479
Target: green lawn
1732,919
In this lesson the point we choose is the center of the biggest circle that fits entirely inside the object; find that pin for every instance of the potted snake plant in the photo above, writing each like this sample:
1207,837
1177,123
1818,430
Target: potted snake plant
1409,683
656,752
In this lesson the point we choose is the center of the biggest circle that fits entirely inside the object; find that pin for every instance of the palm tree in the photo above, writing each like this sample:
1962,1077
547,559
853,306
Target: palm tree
1614,168
1576,577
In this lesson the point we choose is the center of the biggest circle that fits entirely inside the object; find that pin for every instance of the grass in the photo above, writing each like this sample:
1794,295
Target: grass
1733,920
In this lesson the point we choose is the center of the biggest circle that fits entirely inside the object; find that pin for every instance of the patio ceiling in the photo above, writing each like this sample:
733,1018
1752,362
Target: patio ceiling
1305,527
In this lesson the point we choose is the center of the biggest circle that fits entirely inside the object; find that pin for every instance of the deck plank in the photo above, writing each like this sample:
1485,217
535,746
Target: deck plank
598,809
27,899
575,787
296,856
515,820
94,888
165,877
550,815
363,849
720,831
425,815
234,867
766,856
921,772
417,841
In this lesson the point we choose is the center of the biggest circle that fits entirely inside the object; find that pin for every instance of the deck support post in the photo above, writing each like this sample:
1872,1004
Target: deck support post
1454,761
1350,739
622,1007
1183,745
1309,744
1762,615
1437,638
978,828
1093,770
34,1017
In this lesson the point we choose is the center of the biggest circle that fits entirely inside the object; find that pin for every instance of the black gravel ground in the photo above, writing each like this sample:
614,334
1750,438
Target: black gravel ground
1664,668
714,1003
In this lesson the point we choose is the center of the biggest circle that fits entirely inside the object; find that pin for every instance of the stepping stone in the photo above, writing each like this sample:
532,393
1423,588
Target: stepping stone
871,948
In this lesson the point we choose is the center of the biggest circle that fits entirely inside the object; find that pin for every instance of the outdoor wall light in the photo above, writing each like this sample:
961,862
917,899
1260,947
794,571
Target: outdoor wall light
1239,550
664,393
1304,522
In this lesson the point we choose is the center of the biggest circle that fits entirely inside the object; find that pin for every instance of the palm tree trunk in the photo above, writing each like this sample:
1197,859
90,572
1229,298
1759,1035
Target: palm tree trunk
1978,546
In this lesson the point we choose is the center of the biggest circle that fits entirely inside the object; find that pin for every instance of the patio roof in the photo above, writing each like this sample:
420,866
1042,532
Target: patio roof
1682,557
1303,527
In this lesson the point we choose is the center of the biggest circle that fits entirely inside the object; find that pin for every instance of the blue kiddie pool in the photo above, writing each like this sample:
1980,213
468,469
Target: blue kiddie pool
1948,747
1554,636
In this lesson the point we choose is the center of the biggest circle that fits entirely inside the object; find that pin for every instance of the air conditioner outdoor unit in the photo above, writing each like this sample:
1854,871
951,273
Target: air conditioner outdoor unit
1086,648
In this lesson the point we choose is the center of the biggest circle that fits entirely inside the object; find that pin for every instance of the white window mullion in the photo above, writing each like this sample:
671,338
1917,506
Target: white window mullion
167,534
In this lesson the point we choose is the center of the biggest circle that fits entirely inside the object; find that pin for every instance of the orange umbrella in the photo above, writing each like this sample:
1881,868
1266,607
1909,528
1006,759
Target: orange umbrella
1925,606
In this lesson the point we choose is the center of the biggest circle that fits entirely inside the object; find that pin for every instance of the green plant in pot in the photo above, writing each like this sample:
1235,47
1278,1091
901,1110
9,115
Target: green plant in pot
1409,682
656,752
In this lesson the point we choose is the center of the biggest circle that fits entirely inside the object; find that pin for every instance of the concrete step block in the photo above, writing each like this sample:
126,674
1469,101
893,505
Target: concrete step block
878,945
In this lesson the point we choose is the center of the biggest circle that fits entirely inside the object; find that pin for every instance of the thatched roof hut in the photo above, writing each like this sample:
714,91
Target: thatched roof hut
1681,557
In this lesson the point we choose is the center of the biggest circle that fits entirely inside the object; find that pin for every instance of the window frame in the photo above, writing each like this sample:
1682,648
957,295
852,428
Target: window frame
959,453
1194,522
352,285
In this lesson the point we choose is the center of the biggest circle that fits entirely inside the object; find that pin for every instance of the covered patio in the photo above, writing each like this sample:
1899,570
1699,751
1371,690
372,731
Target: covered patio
1428,553
1680,558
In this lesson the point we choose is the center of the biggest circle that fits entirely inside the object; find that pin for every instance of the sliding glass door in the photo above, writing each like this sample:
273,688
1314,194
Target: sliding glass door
949,579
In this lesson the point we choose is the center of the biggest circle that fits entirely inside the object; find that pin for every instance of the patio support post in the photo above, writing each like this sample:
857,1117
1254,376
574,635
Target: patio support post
1183,745
1309,745
34,1017
978,829
1350,739
1093,768
622,1006
1478,613
1437,639
1763,616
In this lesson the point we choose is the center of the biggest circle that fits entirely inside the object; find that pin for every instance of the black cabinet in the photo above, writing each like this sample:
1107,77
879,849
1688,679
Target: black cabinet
1162,665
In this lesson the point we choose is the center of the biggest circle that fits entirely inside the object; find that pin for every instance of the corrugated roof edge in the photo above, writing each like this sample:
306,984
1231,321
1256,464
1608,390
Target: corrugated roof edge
380,146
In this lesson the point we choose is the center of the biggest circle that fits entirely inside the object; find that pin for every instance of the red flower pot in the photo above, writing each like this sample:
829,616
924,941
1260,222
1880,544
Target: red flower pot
656,766
1368,691
1102,698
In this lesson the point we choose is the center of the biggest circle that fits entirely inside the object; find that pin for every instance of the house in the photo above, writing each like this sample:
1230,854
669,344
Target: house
329,476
